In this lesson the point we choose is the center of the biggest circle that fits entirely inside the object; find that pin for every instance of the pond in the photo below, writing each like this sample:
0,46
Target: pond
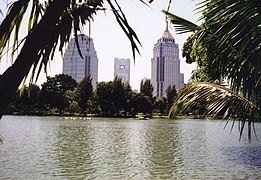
107,148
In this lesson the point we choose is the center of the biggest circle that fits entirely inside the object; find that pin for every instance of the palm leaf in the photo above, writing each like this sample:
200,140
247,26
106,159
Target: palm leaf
237,24
215,101
12,21
129,32
181,25
1,13
232,32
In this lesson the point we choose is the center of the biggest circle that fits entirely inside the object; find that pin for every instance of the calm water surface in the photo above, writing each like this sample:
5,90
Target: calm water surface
55,148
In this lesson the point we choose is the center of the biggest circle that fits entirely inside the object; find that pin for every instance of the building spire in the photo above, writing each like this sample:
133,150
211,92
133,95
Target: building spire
167,23
166,33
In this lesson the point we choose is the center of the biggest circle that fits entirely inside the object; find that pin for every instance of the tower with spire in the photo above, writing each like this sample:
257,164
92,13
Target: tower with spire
165,65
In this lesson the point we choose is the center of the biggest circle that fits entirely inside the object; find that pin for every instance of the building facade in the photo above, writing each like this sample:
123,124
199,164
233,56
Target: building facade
122,69
78,67
165,65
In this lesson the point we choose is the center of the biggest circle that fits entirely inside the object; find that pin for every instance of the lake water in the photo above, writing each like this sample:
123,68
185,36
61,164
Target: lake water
56,148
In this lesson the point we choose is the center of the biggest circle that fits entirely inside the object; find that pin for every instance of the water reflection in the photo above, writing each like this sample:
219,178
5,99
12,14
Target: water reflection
73,151
124,149
160,144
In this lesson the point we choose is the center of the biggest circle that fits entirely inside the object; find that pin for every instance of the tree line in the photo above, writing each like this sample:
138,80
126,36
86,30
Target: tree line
62,95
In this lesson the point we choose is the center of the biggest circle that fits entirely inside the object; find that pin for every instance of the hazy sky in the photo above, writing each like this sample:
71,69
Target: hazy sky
110,41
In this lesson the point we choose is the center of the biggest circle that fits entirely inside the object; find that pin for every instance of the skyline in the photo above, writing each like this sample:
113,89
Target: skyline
149,24
110,41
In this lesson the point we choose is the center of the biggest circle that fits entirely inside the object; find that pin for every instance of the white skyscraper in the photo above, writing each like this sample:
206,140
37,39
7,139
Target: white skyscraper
78,67
165,65
122,69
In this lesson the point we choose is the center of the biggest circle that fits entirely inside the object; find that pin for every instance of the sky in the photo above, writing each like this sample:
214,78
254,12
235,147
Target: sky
110,41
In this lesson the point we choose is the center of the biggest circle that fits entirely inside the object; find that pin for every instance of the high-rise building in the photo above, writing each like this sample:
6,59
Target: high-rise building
122,69
165,65
78,67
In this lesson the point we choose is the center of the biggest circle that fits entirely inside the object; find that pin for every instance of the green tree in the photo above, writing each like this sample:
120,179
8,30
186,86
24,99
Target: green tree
132,103
71,97
128,105
20,102
84,93
26,100
171,93
95,107
53,91
143,104
161,104
103,96
146,87
119,96
33,98
200,53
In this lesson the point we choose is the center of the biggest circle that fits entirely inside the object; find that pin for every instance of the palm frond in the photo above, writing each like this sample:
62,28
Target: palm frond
144,2
12,21
239,22
129,32
169,5
1,13
36,12
237,26
208,99
181,25
231,31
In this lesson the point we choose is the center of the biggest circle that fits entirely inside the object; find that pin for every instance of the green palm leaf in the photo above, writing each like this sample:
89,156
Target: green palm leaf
181,25
237,26
12,23
213,100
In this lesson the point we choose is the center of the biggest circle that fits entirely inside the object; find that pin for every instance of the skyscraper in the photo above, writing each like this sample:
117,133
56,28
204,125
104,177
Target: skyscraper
122,69
78,67
165,65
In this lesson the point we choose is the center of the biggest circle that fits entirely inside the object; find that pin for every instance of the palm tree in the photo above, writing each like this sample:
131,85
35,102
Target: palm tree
233,30
50,26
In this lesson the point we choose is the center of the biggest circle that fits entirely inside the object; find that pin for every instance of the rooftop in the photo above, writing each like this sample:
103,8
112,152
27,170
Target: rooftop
167,34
